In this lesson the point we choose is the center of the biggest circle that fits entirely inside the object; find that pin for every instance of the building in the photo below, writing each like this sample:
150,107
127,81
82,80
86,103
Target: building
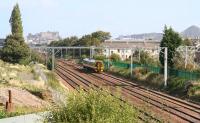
123,47
42,38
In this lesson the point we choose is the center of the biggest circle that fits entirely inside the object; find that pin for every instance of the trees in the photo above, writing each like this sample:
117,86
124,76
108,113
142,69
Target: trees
187,42
101,35
93,39
171,40
15,50
115,57
16,22
69,41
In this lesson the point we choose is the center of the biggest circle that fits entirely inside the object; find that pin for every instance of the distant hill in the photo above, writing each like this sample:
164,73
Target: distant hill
191,32
144,36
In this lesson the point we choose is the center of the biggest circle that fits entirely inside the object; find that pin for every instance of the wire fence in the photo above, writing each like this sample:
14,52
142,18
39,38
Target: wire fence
171,72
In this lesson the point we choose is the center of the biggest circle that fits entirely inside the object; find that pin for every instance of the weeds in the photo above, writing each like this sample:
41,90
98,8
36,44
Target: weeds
94,106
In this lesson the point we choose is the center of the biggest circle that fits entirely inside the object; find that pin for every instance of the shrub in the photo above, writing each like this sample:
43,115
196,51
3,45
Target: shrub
100,57
93,107
115,57
176,85
35,56
155,79
194,93
140,73
15,50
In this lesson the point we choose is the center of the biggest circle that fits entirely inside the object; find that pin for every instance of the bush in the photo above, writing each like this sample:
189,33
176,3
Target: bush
176,85
93,107
99,57
155,79
49,64
194,93
115,57
140,73
15,50
35,56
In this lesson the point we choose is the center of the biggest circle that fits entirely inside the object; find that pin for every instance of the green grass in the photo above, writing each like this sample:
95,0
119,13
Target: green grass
94,106
19,110
52,81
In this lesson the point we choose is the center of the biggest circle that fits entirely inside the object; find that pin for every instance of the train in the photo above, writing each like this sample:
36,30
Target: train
93,65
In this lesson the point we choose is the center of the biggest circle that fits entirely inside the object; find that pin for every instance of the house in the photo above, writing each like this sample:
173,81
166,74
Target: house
123,47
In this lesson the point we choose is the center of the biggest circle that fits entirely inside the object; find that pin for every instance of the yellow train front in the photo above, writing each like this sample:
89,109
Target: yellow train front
93,65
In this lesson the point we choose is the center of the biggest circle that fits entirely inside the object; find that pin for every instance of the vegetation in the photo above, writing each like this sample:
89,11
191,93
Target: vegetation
94,106
100,57
70,41
15,50
93,39
115,57
19,110
176,86
171,40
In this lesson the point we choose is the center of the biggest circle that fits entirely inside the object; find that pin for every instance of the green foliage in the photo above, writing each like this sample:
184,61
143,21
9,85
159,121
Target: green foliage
16,22
70,41
194,93
115,57
94,106
15,50
187,42
88,40
49,64
146,58
171,40
93,39
101,35
155,79
52,81
176,85
100,57
37,57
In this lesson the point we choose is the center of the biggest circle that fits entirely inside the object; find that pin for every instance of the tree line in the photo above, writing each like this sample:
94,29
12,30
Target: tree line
15,49
93,39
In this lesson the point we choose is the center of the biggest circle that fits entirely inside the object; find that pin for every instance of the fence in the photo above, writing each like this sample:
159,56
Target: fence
171,72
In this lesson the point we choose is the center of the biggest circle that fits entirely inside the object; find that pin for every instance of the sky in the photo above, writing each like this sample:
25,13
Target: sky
119,17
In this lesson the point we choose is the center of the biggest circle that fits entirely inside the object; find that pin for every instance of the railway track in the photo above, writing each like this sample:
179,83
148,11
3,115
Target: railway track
144,116
176,109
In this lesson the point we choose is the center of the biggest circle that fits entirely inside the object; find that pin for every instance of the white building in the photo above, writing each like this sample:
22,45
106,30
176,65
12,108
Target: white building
123,47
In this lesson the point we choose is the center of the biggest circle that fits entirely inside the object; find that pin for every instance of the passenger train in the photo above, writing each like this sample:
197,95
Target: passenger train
93,65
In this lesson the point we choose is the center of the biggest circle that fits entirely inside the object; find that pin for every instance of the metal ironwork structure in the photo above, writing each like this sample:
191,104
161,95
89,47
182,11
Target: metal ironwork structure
188,52
54,50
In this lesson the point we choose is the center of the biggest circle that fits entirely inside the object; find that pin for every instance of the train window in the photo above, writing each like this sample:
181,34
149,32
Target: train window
111,52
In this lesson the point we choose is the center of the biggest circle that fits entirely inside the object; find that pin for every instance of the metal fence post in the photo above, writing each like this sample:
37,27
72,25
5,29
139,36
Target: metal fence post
186,56
165,67
90,53
108,58
131,63
80,52
139,55
53,58
61,53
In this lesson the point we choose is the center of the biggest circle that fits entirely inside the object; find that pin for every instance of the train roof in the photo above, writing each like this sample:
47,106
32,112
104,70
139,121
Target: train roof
89,60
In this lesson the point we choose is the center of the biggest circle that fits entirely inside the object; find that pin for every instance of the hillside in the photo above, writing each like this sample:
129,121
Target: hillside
191,32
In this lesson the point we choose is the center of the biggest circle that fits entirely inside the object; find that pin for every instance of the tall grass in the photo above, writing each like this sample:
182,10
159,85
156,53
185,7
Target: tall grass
94,106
